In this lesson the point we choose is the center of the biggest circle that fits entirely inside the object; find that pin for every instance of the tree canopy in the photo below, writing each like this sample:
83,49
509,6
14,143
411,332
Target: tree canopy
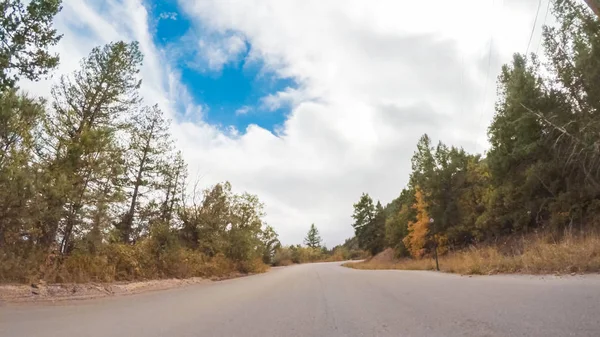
92,185
26,32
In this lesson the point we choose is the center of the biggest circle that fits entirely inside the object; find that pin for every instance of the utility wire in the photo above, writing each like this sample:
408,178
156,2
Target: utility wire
545,18
537,13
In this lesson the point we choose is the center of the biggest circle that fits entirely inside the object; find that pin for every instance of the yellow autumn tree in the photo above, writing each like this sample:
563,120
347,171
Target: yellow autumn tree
417,231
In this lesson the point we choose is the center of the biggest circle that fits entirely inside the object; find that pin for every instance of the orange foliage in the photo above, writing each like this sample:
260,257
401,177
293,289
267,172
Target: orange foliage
417,231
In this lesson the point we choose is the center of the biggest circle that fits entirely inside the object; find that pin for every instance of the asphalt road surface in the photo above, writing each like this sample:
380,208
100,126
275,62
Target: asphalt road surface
326,299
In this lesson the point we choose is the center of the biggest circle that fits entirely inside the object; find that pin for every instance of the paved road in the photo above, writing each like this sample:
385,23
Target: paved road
329,300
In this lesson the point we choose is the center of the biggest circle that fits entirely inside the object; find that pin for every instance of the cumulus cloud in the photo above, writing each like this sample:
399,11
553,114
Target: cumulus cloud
285,98
217,53
206,51
371,77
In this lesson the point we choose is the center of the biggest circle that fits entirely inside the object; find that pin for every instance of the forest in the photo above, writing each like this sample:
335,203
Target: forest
93,188
540,177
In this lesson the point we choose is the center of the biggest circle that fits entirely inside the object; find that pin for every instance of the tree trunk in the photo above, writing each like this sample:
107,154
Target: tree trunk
69,229
128,221
170,199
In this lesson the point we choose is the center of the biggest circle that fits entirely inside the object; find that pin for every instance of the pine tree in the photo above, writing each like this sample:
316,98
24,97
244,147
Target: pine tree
364,213
312,239
423,164
26,33
369,224
396,224
174,174
150,141
82,151
19,120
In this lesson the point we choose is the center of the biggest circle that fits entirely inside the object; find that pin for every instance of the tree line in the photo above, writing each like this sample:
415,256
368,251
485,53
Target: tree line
315,251
541,172
92,186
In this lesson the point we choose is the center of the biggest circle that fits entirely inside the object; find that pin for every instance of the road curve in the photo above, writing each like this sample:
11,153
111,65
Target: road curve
325,299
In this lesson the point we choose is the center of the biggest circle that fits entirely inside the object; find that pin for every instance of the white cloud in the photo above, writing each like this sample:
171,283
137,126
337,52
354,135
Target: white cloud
372,77
214,52
167,16
287,97
243,110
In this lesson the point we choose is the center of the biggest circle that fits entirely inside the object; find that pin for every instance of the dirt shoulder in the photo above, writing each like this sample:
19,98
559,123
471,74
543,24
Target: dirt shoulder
41,292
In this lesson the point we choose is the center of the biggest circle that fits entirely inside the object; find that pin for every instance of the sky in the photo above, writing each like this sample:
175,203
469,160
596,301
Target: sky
310,103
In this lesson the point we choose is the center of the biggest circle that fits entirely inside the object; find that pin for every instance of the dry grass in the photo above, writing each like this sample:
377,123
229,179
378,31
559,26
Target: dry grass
540,255
119,262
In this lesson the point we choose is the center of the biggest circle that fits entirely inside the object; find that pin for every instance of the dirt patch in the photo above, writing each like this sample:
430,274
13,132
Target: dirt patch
65,291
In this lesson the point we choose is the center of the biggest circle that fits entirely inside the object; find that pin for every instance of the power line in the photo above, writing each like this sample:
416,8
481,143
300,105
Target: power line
537,13
545,18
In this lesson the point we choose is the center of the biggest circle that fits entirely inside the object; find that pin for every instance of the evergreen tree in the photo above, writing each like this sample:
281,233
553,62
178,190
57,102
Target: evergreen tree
374,232
174,175
26,33
82,151
423,164
364,214
150,141
399,214
19,119
369,224
313,240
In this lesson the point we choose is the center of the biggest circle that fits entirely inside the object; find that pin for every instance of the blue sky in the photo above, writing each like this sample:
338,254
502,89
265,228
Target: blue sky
230,95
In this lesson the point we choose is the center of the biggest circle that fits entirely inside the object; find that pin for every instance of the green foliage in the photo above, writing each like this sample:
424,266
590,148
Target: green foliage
369,224
313,240
349,250
82,151
146,163
94,191
270,243
19,118
27,34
